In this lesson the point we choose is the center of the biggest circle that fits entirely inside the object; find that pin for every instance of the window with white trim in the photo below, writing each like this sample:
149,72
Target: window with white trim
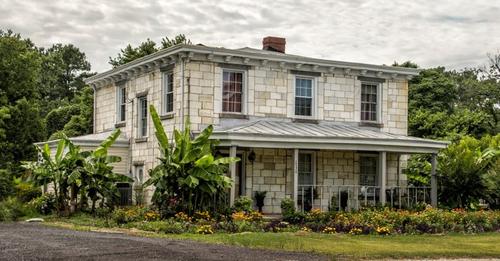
168,92
139,174
121,104
232,91
368,170
303,96
142,116
369,102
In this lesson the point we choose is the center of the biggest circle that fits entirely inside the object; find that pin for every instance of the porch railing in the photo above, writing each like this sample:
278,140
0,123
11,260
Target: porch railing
353,197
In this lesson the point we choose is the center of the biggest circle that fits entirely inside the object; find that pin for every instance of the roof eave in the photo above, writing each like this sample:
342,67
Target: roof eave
171,54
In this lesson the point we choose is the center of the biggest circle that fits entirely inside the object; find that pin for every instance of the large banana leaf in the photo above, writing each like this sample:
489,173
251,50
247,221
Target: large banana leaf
160,133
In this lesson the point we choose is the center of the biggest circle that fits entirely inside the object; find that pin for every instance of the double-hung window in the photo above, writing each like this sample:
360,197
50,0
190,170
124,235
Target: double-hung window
303,96
121,104
142,116
232,91
368,170
168,92
369,102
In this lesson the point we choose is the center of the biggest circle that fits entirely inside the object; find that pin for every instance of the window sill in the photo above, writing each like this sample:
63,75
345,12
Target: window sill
305,120
140,140
166,116
371,124
120,124
228,115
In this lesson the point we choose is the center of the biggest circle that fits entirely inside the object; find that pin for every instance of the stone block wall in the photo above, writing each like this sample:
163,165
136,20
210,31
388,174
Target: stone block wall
272,171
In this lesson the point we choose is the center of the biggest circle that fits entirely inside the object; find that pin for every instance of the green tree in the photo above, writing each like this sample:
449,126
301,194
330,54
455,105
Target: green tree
148,47
22,129
179,39
432,89
407,64
19,68
188,173
65,67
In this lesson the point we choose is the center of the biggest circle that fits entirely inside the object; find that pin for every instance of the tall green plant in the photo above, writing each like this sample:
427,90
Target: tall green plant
469,171
189,177
72,173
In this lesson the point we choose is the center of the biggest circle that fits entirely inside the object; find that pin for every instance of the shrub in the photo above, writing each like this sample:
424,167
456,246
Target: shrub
128,214
151,215
243,203
6,184
45,204
12,210
26,192
287,207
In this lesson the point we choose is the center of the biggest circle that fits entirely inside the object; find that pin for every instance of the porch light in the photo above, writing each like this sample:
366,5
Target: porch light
251,156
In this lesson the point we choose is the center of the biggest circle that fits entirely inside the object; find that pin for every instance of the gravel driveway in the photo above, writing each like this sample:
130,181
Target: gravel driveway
29,241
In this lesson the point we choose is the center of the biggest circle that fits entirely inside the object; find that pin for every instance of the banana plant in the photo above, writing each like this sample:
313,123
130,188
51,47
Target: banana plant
188,172
98,177
73,172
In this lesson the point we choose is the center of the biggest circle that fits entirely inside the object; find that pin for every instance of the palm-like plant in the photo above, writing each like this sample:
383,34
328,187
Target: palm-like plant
73,172
98,177
188,173
468,170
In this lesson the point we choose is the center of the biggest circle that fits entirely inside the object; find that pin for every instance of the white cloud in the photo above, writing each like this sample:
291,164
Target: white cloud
455,34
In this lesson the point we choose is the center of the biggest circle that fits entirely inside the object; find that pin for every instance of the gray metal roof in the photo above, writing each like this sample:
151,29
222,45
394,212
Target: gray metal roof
287,133
92,139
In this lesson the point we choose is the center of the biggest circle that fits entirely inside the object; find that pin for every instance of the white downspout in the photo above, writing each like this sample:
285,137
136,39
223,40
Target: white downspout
94,104
182,93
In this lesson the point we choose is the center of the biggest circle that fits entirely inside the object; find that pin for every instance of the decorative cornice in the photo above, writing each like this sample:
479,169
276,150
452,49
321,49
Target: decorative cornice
244,57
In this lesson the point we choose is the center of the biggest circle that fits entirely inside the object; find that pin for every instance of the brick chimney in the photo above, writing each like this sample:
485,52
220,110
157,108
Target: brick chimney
276,44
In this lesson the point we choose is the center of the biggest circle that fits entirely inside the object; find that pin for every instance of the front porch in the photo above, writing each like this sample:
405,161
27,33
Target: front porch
330,167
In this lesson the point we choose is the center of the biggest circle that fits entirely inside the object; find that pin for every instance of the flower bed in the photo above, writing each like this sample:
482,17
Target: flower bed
374,221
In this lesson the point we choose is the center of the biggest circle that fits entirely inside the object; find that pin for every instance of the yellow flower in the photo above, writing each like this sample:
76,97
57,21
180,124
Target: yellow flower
355,231
204,230
305,229
383,230
329,230
239,216
183,217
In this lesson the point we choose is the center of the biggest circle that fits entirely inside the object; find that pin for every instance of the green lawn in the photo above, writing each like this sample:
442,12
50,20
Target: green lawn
341,245
456,245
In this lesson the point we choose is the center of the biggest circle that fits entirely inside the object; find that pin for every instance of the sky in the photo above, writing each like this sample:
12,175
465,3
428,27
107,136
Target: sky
453,33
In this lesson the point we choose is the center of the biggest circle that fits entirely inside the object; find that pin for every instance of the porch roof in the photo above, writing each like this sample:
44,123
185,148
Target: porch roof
335,136
91,140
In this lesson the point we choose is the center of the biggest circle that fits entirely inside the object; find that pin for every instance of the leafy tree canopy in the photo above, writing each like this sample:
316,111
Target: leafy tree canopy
145,48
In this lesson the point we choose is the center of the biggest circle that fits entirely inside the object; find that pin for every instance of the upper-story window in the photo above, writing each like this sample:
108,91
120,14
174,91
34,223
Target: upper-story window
232,91
142,113
168,92
369,102
121,104
303,96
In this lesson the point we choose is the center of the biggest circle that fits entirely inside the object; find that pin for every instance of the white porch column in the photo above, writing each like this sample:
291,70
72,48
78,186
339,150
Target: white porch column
296,176
383,175
232,172
434,199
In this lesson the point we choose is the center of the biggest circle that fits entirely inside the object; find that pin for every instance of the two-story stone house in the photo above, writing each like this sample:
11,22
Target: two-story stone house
325,133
